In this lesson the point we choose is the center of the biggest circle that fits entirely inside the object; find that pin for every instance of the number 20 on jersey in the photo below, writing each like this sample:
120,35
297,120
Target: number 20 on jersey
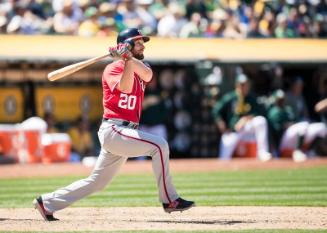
127,101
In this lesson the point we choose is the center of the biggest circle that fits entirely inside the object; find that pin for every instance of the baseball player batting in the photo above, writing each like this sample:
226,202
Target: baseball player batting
123,81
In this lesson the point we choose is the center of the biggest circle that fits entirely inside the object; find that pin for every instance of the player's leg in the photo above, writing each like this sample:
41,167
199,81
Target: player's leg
132,143
106,167
228,143
258,125
159,130
291,135
314,132
129,142
293,139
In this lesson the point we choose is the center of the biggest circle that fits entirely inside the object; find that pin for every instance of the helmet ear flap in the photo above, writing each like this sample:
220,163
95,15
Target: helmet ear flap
130,42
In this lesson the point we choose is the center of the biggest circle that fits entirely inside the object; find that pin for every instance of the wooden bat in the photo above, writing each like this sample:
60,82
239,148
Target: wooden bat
70,69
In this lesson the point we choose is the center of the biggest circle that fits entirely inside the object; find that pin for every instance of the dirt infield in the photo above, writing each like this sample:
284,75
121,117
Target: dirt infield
180,165
153,218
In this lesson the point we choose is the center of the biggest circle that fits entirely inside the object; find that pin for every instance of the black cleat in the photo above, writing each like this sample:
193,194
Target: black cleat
178,205
38,204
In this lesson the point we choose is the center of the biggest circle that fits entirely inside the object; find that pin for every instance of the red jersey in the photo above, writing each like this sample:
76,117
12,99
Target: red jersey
117,104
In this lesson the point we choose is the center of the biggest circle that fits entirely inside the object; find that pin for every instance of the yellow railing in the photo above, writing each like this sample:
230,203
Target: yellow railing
163,49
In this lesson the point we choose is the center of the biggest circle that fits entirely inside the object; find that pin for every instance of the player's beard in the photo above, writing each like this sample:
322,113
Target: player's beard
139,56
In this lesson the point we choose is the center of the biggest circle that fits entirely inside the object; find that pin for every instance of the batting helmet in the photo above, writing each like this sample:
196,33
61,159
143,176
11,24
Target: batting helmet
131,34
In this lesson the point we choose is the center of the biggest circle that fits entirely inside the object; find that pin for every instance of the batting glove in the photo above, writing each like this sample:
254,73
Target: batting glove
121,51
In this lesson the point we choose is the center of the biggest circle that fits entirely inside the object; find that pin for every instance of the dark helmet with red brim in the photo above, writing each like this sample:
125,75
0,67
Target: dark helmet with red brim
131,34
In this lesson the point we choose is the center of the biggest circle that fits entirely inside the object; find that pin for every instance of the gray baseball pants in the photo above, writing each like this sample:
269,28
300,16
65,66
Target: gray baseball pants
118,143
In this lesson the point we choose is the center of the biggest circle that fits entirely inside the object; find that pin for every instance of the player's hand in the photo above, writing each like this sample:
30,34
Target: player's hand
222,126
123,50
321,106
113,52
120,51
241,122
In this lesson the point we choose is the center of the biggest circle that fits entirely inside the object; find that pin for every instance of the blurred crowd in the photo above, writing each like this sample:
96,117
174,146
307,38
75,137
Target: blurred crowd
167,18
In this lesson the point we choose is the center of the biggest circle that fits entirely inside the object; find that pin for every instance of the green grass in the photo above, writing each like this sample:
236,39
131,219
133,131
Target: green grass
297,187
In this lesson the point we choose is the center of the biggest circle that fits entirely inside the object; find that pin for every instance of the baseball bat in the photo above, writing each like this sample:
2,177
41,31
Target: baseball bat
70,69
